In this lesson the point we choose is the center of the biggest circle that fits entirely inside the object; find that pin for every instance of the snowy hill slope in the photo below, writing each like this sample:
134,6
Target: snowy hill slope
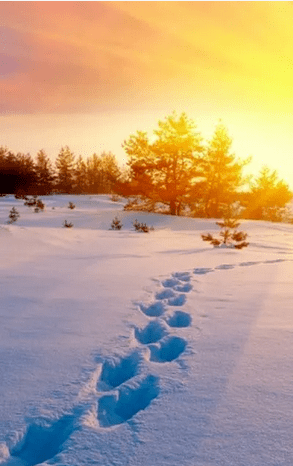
125,348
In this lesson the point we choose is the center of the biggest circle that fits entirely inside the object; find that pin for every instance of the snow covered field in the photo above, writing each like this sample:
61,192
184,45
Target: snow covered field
124,348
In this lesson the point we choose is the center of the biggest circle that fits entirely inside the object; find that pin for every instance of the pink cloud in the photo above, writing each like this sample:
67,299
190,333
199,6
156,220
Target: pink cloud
87,56
68,56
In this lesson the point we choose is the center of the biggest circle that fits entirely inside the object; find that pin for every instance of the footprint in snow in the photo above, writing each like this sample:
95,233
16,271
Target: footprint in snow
179,319
43,442
116,371
182,276
185,288
165,294
202,270
153,310
274,261
152,333
167,350
170,282
178,300
127,402
173,298
225,267
247,264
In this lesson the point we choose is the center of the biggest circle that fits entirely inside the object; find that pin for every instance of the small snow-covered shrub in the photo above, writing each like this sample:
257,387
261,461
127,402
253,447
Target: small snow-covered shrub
143,227
19,195
67,224
146,205
31,201
13,215
277,214
39,205
132,204
71,206
229,235
115,198
116,224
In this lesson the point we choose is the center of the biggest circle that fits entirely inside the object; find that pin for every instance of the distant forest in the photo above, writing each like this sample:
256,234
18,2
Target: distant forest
176,169
21,175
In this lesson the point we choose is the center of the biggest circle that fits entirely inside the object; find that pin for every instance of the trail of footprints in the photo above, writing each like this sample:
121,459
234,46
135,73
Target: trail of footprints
127,397
122,392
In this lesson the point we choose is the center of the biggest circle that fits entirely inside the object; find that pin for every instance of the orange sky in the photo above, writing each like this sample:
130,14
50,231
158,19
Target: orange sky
88,74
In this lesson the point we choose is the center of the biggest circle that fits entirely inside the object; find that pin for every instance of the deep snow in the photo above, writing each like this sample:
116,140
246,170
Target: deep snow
125,348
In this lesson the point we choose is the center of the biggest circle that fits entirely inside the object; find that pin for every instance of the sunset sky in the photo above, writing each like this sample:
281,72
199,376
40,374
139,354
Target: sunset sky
89,74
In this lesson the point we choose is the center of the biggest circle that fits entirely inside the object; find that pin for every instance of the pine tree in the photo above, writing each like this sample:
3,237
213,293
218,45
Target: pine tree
65,164
222,173
80,176
268,196
229,235
110,171
13,215
142,227
26,178
44,172
67,224
94,174
39,205
116,224
166,169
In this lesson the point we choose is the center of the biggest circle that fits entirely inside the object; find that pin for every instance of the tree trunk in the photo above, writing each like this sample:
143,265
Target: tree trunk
172,207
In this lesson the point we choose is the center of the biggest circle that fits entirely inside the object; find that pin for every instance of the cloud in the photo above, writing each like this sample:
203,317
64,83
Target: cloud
92,56
70,57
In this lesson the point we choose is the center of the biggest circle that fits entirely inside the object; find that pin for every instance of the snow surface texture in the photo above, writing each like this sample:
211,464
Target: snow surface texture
121,348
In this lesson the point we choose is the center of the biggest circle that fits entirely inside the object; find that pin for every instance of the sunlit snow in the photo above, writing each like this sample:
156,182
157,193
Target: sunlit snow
126,348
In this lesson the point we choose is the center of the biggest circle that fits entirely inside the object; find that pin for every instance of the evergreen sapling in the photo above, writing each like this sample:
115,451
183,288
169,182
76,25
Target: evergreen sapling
39,205
142,227
67,224
13,215
229,235
116,224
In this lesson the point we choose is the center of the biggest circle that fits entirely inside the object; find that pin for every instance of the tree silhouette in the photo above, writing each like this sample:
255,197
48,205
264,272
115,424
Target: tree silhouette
65,166
44,172
94,174
110,171
17,173
80,176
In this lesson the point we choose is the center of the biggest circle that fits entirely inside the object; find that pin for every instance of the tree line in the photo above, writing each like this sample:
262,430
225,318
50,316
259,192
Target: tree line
21,175
174,167
178,169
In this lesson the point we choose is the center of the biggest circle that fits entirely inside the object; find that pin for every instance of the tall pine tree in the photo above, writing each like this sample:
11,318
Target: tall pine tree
44,172
110,171
65,164
222,173
80,175
94,174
